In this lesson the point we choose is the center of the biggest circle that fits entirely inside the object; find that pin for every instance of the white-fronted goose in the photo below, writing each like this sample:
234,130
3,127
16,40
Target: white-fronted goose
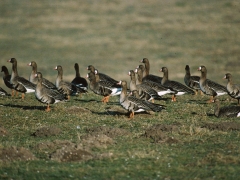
102,77
144,90
227,111
133,104
146,72
208,87
20,84
66,87
191,81
78,80
233,89
102,88
178,87
34,79
7,78
158,87
3,92
46,95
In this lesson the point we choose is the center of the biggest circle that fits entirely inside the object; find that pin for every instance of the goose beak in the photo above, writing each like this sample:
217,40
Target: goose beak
160,70
199,69
9,60
29,64
225,77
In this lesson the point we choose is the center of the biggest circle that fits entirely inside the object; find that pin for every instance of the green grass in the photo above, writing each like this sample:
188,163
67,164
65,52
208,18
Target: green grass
113,36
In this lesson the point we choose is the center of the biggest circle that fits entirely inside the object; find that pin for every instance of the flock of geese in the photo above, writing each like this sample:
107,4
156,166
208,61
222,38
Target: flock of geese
143,89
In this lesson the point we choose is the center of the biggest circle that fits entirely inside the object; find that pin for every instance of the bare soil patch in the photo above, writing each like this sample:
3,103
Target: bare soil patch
47,131
223,126
16,154
158,133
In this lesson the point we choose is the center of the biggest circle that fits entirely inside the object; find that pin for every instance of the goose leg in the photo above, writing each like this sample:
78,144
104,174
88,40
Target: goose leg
13,92
23,95
68,97
107,98
196,92
131,115
174,98
48,108
104,99
210,100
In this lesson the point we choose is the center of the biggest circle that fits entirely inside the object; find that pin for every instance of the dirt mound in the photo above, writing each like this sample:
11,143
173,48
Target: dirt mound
47,131
156,133
16,154
70,154
3,131
52,146
223,126
98,141
110,132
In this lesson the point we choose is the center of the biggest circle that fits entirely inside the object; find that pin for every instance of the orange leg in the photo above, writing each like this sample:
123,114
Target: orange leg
131,115
210,100
196,92
23,95
174,99
48,108
107,98
201,93
13,92
152,100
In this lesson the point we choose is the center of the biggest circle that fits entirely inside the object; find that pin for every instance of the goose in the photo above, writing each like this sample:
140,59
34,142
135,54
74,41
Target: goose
102,77
3,92
158,87
227,111
178,87
146,70
233,89
66,87
134,104
34,80
144,90
209,87
78,80
7,78
191,81
103,88
19,83
46,95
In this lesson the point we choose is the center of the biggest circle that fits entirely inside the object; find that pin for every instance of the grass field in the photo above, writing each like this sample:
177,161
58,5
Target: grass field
85,139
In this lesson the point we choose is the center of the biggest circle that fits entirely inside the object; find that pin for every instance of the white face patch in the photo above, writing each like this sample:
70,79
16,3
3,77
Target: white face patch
55,67
199,68
30,64
87,76
136,70
129,73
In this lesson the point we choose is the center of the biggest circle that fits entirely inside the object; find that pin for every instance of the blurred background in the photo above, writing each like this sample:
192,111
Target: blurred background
115,35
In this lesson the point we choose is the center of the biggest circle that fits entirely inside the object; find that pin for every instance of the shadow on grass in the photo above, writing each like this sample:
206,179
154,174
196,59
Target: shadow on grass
25,107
